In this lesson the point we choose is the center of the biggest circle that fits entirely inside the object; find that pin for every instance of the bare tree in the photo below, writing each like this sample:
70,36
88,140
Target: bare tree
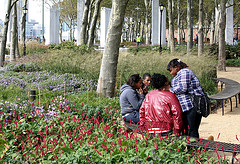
222,26
107,77
200,29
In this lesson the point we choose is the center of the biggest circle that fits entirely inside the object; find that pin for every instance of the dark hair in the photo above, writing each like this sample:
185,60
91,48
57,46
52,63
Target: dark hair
133,79
176,62
146,75
158,80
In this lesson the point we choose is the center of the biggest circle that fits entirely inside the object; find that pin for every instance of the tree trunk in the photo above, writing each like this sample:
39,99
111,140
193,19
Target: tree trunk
107,77
216,38
212,32
5,30
13,34
179,22
189,26
94,23
70,29
200,29
147,42
60,31
90,16
23,25
84,23
171,27
222,26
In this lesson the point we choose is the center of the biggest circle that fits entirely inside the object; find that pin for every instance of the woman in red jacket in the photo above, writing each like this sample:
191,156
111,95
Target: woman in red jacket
160,111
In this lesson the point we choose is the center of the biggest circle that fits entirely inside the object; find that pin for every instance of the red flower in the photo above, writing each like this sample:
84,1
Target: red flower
119,141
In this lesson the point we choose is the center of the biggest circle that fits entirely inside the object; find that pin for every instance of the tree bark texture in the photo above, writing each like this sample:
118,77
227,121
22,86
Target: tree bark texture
200,29
222,26
212,32
189,26
147,6
107,77
60,31
13,34
179,22
216,38
94,23
23,25
171,27
84,23
5,30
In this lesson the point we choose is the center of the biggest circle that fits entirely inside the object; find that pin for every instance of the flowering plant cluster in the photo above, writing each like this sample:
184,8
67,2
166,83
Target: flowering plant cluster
71,133
68,83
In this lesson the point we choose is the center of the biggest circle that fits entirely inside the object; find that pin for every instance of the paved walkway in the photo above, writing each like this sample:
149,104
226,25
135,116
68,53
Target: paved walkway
224,128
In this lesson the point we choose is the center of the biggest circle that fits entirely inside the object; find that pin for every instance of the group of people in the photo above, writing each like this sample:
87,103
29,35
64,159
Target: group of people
168,108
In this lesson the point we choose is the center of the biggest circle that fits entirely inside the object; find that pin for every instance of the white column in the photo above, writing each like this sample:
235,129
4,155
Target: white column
80,8
163,33
105,18
52,26
229,24
155,22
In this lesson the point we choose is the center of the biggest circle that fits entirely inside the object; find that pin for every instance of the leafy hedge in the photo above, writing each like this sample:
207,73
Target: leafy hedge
232,51
71,45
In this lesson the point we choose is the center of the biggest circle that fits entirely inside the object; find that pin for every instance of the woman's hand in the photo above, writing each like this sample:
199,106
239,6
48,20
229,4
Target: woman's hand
140,91
145,90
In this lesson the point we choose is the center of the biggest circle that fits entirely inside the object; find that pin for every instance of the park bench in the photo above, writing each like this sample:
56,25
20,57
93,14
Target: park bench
200,143
215,146
231,89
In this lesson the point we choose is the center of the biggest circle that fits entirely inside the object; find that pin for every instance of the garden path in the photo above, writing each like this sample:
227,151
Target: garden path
224,128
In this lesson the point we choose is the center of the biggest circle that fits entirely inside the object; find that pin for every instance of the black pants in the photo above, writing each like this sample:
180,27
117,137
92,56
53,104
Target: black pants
191,121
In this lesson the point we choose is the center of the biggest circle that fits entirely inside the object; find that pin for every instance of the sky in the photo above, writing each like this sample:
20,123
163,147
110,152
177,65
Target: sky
34,9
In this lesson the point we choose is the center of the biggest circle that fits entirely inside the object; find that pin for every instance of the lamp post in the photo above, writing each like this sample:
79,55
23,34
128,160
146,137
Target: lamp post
25,10
137,8
160,46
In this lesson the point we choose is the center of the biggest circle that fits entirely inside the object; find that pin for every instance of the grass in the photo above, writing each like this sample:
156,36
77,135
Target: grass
87,65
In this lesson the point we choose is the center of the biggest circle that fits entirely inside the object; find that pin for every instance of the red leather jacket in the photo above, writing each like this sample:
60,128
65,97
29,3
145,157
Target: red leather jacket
160,112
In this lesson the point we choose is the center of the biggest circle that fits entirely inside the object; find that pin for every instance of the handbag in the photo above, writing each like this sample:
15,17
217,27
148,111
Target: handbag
202,104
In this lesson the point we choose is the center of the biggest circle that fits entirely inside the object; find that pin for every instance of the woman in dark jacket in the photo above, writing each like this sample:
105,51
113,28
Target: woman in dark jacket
131,100
160,111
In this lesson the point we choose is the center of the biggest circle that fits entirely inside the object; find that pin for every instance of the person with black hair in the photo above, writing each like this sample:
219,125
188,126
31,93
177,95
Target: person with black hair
184,84
160,111
131,100
146,82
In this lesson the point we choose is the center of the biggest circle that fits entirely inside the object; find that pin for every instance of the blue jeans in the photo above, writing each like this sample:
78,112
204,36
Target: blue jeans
191,121
138,43
132,117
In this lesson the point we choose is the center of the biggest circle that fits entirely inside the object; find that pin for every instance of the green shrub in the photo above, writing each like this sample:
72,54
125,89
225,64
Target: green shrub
33,47
232,51
20,67
145,49
233,62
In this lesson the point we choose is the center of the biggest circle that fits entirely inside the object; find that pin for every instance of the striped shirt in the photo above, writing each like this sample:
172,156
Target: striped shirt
183,84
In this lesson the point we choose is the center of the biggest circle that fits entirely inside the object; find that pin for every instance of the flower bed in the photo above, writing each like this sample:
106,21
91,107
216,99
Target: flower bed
71,133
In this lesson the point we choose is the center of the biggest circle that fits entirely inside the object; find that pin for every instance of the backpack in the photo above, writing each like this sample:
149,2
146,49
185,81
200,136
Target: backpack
202,104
